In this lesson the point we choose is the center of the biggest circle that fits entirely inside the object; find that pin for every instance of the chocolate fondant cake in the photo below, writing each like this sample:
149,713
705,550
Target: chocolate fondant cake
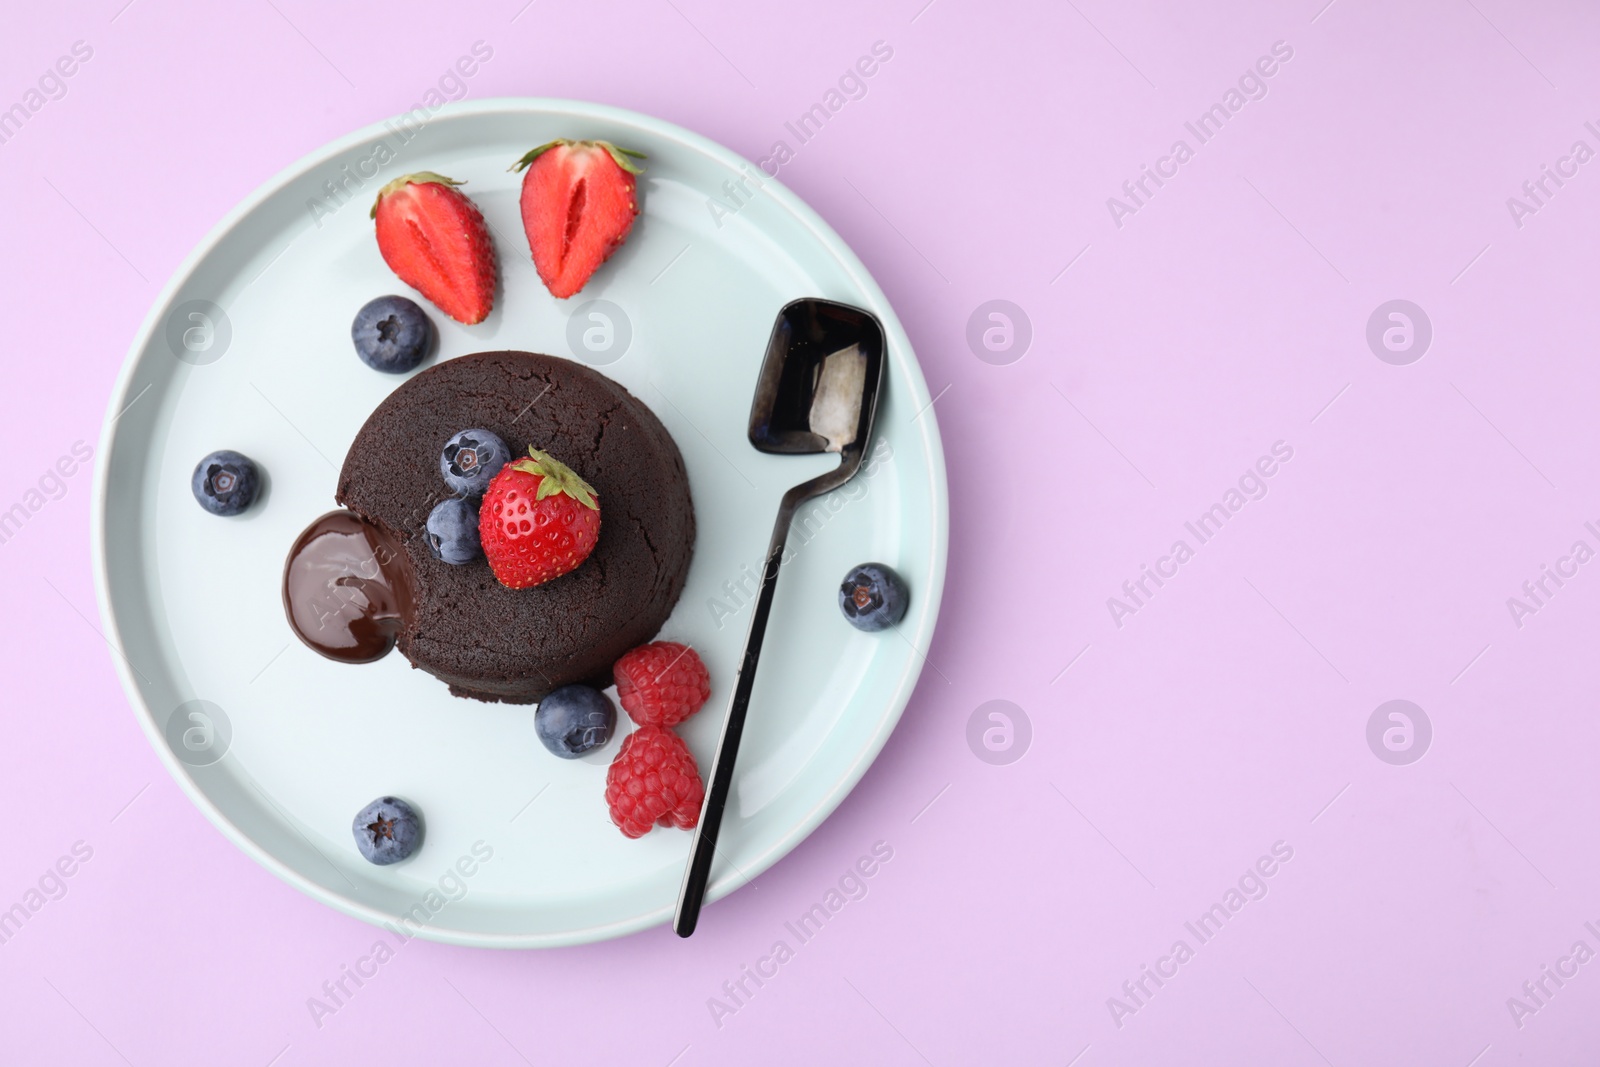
495,643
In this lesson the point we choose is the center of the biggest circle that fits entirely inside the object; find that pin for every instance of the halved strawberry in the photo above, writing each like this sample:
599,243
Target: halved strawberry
578,204
538,520
435,239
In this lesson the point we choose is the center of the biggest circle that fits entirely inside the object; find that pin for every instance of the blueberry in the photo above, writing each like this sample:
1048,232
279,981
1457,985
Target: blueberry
873,597
453,531
573,720
225,482
471,459
392,334
387,831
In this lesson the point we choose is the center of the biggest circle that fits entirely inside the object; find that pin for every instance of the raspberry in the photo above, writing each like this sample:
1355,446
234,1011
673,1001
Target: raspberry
662,683
653,782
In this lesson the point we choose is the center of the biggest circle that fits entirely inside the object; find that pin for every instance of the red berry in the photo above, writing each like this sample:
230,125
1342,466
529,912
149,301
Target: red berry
538,520
436,241
662,683
578,204
653,782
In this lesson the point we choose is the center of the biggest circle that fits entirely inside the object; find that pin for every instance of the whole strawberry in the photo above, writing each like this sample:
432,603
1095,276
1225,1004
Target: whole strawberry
538,521
578,204
662,683
435,240
654,782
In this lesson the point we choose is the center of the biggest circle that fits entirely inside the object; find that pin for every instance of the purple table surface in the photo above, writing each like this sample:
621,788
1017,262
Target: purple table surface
1085,880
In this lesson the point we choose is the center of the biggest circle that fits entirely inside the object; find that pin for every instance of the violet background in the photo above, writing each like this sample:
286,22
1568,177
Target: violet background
1228,714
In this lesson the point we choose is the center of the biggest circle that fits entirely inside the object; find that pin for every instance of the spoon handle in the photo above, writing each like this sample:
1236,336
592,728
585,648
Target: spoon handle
697,876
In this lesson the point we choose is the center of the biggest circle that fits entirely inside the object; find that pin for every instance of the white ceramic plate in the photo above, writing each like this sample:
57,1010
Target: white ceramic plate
519,850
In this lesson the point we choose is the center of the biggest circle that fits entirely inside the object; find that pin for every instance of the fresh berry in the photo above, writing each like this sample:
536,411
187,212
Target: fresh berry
436,241
538,521
225,482
574,720
387,831
578,204
471,459
662,683
873,597
453,531
653,782
392,334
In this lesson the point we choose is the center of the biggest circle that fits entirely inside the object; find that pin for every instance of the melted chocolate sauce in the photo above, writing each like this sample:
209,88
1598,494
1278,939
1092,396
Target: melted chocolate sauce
347,588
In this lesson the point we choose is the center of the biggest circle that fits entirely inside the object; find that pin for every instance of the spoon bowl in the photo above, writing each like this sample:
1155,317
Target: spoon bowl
818,389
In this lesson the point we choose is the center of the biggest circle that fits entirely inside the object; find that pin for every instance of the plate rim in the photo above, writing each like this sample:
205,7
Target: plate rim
928,431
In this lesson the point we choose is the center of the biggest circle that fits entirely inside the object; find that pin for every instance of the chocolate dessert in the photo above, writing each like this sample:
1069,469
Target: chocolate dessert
459,622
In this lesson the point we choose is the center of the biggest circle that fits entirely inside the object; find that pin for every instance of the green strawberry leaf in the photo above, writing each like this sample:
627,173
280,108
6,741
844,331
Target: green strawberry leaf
620,156
525,161
557,478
